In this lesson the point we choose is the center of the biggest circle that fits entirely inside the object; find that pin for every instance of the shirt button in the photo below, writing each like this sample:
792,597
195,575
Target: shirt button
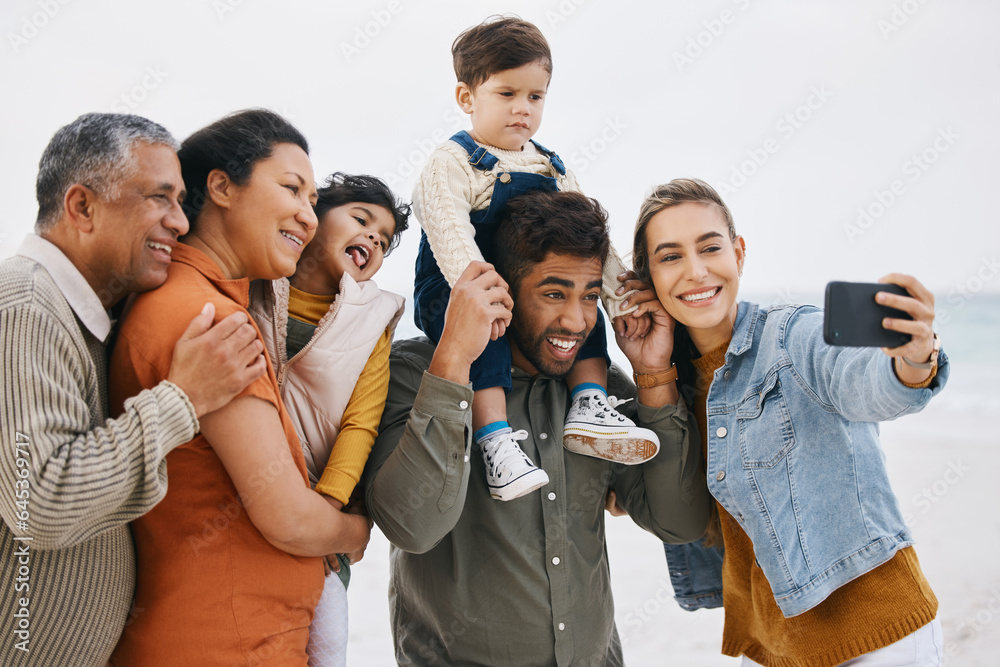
543,436
555,561
721,475
463,405
562,626
552,496
727,374
721,432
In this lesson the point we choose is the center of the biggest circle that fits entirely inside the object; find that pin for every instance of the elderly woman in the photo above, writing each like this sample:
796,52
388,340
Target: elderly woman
229,563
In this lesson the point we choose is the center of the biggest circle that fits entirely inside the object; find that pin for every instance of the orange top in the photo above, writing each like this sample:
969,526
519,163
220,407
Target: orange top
878,608
210,589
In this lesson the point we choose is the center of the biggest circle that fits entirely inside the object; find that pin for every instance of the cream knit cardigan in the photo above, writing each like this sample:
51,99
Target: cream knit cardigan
450,189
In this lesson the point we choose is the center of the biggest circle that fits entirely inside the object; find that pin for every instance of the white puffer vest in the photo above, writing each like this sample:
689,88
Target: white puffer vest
317,383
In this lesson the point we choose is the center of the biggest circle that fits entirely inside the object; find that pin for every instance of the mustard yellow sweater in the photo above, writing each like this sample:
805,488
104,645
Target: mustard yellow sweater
875,610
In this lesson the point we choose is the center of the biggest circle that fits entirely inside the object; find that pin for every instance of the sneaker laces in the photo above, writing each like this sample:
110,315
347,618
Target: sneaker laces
609,408
615,401
505,449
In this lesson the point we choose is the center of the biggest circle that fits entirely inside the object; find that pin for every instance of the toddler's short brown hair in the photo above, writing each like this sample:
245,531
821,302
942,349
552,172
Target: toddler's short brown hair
499,43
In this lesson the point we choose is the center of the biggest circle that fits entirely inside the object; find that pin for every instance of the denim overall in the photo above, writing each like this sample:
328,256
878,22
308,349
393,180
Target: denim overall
431,291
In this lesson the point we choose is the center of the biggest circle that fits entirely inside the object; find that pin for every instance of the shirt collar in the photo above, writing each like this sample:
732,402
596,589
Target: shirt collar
238,290
743,329
74,287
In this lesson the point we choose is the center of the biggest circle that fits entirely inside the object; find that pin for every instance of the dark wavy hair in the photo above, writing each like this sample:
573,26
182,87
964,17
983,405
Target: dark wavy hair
341,188
234,144
539,222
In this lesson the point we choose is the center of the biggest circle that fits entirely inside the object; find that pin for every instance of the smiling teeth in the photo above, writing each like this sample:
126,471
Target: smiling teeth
700,296
294,238
159,246
565,345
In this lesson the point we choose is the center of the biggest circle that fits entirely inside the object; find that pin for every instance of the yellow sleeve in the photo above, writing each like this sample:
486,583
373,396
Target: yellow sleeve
359,426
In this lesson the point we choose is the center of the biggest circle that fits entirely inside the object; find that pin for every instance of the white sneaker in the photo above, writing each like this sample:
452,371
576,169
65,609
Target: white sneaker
594,428
509,472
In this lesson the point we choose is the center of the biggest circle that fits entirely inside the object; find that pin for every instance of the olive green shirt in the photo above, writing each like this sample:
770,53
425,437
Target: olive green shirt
476,581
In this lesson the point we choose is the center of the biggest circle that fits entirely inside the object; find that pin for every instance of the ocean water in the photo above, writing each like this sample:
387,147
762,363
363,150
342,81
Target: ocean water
969,328
970,333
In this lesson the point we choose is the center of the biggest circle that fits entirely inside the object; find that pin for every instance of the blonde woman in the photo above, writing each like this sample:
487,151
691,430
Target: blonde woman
816,566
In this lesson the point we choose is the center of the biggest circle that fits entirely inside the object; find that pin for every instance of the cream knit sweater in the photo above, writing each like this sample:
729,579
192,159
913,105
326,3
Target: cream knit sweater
450,189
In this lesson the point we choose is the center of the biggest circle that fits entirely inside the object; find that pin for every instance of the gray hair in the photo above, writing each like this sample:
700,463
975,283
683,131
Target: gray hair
95,150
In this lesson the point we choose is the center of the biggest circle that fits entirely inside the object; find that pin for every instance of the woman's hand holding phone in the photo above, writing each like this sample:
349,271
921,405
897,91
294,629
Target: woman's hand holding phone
919,305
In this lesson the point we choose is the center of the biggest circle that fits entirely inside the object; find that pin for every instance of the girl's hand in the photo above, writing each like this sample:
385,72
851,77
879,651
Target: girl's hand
636,324
651,353
920,306
357,507
612,506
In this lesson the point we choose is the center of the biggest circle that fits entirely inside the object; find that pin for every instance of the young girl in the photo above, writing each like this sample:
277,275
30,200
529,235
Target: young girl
328,331
818,564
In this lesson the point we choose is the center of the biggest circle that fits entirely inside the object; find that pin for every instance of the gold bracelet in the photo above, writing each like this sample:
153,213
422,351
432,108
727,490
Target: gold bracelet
650,380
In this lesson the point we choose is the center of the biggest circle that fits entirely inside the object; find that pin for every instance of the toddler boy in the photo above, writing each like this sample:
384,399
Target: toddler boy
503,67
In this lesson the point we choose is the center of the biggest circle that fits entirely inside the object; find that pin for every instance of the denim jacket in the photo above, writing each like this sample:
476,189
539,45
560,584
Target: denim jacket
794,457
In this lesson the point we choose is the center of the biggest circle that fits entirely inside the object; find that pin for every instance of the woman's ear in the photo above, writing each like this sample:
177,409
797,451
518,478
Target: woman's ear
463,95
741,252
219,188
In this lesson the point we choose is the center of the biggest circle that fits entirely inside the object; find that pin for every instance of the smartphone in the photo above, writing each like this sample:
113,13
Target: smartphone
852,318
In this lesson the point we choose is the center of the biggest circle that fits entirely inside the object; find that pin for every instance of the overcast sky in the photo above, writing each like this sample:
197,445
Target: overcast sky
850,138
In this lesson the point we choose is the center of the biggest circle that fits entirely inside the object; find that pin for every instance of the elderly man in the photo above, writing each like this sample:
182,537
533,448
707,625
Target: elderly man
524,582
109,213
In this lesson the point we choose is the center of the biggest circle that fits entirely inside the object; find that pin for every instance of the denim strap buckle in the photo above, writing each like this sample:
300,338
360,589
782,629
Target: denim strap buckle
482,159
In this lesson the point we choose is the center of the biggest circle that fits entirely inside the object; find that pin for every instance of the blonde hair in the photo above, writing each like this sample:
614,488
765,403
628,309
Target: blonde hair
677,191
